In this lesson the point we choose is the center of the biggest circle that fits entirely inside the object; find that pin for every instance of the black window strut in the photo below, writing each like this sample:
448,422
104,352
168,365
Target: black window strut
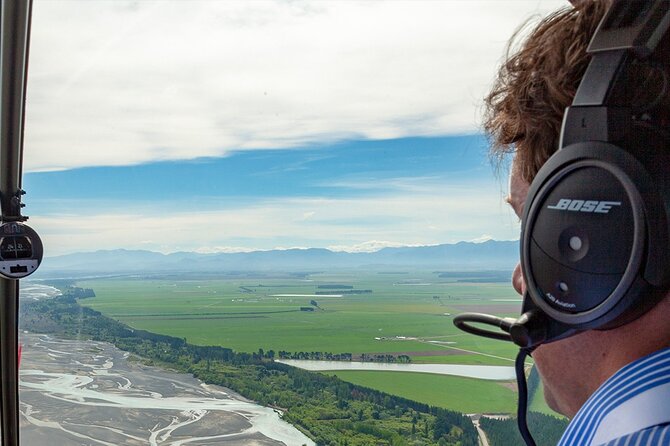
15,18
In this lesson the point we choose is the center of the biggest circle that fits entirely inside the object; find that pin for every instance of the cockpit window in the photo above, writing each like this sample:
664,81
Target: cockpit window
259,219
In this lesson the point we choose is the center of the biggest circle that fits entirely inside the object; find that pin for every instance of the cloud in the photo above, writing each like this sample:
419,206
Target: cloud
482,238
408,184
120,82
371,246
308,215
354,224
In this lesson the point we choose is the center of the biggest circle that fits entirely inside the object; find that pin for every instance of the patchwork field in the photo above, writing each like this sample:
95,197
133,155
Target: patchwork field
400,313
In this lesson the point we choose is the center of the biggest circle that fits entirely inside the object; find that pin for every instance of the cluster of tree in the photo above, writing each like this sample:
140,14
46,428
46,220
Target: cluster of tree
330,411
449,297
546,430
328,356
77,292
403,359
316,356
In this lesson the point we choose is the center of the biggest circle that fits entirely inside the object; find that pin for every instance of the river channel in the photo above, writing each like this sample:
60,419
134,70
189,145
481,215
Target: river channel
80,392
489,372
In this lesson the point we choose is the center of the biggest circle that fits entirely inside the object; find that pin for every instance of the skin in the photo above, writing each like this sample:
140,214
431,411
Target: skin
573,368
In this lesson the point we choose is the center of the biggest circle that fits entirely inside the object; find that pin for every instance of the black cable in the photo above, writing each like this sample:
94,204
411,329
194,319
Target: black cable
522,407
463,321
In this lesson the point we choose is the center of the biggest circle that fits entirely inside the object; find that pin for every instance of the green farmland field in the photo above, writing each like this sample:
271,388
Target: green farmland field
402,313
408,313
465,395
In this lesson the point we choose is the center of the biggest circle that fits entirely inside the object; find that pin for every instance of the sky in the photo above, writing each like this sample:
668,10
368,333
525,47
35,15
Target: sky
234,126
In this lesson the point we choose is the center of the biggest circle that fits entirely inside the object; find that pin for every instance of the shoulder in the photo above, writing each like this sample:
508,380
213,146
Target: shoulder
652,436
630,408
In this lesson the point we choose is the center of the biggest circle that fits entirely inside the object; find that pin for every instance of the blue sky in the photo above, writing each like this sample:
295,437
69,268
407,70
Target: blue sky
237,125
344,169
354,196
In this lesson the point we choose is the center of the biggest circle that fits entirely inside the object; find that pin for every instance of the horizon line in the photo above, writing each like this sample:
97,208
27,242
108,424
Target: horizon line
234,250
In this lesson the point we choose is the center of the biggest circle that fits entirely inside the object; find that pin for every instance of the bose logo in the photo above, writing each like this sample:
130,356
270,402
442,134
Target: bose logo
600,207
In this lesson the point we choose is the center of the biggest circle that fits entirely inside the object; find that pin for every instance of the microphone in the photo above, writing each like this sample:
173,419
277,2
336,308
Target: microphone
528,331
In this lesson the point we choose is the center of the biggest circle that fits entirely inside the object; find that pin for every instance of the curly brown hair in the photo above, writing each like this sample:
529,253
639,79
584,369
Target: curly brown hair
537,81
524,110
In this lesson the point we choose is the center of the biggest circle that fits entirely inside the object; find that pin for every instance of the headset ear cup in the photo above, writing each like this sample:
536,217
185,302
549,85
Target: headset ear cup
642,162
584,234
651,146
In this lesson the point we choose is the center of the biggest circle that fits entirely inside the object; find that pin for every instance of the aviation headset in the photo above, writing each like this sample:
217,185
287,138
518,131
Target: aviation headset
595,234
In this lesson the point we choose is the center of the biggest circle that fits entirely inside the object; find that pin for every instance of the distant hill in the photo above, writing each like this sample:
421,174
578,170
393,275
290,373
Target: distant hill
462,256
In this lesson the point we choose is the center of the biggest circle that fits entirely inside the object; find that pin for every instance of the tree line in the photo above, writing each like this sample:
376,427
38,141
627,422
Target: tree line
78,293
328,356
546,430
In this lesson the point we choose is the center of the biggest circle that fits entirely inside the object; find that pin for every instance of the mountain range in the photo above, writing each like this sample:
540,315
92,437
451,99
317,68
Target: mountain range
462,256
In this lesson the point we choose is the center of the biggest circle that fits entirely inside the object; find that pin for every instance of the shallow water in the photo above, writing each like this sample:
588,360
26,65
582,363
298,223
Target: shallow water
488,372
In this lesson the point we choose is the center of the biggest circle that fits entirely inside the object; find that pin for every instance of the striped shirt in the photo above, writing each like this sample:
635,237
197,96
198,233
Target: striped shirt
631,408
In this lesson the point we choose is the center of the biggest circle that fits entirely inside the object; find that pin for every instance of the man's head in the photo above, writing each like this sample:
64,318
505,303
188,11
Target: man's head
524,114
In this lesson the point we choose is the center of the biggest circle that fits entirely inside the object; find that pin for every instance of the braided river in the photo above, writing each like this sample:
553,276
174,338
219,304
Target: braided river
80,392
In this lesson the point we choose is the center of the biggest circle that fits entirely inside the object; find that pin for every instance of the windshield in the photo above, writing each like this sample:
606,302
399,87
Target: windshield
259,220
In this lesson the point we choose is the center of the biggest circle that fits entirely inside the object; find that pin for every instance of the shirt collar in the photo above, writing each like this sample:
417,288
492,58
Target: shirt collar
634,398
